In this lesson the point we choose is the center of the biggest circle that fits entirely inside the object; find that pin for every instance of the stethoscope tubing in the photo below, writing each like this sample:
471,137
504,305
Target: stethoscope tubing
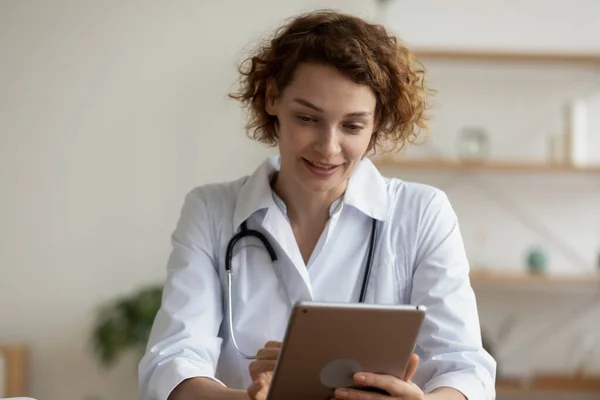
245,232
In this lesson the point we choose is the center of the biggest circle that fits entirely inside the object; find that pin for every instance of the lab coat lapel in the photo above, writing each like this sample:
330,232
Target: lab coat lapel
279,228
255,195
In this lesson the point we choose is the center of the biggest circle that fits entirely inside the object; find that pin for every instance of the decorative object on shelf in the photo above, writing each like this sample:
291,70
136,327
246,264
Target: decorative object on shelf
577,132
537,261
557,149
477,260
125,323
582,130
473,144
585,354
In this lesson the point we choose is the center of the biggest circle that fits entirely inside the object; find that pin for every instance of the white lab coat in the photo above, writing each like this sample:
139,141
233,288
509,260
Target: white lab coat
419,259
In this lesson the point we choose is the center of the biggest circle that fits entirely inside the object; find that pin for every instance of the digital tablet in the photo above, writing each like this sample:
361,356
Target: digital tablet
325,344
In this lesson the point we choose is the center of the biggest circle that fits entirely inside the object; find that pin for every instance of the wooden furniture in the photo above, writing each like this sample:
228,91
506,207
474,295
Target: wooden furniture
496,56
507,55
441,164
550,384
527,281
15,366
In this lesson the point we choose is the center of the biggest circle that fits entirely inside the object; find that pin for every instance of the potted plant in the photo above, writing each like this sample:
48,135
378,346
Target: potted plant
124,324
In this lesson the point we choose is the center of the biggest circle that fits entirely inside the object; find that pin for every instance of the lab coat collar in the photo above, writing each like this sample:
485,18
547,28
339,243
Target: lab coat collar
366,191
256,193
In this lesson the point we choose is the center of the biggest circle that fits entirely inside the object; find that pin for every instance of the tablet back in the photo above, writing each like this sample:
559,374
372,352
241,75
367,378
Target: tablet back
326,343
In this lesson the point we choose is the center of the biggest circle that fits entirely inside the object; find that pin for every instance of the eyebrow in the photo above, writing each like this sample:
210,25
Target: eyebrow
308,104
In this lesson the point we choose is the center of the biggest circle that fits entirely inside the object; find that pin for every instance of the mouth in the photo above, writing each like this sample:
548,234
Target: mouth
321,169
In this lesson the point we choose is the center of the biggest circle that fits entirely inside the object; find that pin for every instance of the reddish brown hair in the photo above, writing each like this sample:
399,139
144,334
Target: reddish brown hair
364,52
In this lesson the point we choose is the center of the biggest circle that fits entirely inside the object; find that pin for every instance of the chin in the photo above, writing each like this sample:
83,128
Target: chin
321,184
318,181
321,187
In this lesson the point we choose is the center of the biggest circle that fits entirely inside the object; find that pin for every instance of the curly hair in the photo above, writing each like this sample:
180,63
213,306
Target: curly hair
364,52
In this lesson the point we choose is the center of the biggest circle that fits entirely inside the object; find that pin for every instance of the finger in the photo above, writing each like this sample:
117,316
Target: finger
413,363
273,344
259,387
389,383
264,378
354,394
268,354
259,367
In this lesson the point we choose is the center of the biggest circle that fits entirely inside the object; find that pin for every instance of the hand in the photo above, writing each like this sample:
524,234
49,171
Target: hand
397,388
266,359
259,388
261,370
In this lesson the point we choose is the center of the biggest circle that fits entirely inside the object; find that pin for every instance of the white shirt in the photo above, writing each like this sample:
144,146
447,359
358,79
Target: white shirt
419,259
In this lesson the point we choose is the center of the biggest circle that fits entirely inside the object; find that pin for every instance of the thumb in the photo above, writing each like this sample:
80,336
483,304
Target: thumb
413,363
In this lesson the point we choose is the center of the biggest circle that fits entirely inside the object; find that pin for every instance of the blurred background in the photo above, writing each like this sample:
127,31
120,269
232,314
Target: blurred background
111,111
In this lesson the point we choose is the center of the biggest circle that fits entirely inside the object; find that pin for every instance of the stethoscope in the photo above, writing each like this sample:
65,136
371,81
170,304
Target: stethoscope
245,232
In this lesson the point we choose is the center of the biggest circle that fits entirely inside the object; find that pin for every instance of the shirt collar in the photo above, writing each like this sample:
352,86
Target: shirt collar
366,191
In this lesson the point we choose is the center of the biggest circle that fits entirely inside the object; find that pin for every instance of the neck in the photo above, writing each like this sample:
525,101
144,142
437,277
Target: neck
304,207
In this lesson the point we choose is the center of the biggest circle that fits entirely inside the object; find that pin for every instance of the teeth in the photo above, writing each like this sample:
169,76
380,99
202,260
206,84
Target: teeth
323,166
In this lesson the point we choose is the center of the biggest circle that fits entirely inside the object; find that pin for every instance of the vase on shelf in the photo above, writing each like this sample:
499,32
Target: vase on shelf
473,144
577,131
537,261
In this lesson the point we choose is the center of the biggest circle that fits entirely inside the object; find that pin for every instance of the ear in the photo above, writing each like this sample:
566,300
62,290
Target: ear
271,98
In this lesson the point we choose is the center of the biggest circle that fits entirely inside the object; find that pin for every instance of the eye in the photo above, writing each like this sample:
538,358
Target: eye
305,118
353,128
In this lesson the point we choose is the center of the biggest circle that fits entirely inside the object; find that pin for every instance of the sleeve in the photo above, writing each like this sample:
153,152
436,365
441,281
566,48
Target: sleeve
184,340
449,345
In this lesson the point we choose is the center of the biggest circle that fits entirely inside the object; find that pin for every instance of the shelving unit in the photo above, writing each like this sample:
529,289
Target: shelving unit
506,55
499,166
483,279
491,277
547,385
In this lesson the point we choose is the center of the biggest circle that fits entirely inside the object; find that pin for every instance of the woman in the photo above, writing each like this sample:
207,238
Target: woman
328,89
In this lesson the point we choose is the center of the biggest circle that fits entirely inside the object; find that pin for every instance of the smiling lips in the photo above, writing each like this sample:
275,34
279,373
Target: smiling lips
321,169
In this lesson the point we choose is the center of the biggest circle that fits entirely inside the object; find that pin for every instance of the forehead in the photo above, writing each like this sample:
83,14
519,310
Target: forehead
329,89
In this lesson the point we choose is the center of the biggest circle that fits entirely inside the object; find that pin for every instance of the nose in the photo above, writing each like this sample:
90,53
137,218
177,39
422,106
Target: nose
328,142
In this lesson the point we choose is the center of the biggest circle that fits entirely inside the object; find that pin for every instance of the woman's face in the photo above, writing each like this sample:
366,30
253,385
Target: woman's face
325,126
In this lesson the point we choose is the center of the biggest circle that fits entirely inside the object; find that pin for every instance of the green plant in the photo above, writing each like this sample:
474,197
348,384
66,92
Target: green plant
124,324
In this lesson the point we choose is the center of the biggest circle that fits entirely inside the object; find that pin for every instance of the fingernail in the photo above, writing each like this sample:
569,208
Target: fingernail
341,393
360,377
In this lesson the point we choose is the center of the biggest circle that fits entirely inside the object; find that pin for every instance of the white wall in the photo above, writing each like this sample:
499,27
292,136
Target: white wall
110,111
541,25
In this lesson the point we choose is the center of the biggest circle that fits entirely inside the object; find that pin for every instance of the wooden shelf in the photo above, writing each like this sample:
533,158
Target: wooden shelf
513,56
499,166
490,277
549,384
